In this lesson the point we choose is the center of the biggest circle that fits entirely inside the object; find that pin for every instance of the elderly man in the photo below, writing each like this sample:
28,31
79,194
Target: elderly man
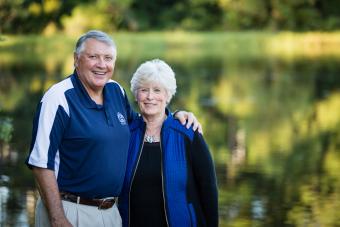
80,140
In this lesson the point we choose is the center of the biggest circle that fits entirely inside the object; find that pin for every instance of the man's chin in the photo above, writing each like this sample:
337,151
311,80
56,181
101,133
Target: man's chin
101,82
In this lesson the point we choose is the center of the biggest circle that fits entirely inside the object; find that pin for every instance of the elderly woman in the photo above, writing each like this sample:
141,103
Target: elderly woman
170,178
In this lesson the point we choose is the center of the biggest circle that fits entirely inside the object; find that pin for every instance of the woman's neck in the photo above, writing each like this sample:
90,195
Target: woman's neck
153,122
153,127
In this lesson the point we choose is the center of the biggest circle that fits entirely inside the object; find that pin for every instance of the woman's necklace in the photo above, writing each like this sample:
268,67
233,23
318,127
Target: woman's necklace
152,132
152,137
149,139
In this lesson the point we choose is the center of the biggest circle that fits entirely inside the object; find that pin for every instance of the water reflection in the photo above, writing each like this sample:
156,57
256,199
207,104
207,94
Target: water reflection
17,207
273,127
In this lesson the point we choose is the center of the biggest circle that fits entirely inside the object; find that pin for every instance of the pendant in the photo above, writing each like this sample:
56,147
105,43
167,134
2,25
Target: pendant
149,139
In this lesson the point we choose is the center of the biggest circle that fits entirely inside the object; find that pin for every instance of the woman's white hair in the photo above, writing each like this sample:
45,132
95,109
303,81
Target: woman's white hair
154,71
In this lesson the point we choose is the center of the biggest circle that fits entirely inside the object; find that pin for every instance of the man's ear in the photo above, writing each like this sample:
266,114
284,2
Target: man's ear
75,60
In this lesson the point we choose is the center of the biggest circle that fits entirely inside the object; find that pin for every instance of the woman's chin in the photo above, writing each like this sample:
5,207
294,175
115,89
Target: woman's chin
150,113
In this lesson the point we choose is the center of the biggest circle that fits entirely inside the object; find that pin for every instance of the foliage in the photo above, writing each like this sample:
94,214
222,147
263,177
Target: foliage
48,16
79,21
20,16
105,15
6,129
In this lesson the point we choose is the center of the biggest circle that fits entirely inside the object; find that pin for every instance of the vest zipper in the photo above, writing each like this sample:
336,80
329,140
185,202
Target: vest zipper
162,174
133,176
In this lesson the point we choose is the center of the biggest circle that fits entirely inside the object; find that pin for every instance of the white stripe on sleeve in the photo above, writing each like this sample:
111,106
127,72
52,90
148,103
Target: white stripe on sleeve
51,101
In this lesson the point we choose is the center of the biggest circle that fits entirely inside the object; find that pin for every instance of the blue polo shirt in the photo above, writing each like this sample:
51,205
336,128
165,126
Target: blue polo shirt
85,144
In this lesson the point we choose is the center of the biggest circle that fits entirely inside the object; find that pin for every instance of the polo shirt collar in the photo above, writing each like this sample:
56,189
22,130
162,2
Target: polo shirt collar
81,91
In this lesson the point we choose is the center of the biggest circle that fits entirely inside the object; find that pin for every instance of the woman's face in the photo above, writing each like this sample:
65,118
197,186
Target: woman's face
152,99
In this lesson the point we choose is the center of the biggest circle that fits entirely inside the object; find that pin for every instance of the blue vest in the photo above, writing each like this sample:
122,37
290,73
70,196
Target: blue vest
174,169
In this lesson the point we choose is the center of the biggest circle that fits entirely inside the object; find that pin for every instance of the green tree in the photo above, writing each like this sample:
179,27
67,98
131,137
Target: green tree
36,16
32,16
244,14
108,15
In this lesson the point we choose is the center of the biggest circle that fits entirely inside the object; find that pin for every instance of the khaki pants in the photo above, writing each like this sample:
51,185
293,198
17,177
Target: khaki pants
80,215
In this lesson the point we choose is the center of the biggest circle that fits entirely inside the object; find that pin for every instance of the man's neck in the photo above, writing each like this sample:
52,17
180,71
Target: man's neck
95,94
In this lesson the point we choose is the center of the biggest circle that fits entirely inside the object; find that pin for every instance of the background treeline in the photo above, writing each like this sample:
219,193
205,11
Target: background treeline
47,16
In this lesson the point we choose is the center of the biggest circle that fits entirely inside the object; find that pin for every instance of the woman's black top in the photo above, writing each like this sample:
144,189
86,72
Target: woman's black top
146,201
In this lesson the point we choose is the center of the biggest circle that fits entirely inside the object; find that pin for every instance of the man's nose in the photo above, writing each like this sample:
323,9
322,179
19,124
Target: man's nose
100,62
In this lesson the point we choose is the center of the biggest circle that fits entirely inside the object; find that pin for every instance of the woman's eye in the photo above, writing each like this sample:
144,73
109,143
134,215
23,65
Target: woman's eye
108,58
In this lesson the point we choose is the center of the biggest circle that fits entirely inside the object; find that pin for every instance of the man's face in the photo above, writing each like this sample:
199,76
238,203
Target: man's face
95,64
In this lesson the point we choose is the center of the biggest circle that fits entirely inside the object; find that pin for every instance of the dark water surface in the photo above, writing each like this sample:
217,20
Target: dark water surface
272,124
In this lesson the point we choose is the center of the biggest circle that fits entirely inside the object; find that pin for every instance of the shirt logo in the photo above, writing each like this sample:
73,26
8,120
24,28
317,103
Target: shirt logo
121,118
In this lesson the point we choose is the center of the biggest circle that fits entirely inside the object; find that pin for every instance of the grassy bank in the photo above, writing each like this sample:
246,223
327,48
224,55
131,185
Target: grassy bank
181,45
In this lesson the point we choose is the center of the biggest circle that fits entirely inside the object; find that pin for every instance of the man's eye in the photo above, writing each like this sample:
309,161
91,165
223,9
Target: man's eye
108,58
92,56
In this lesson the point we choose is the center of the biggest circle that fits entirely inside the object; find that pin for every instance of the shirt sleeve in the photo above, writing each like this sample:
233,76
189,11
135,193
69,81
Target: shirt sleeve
131,114
204,172
48,128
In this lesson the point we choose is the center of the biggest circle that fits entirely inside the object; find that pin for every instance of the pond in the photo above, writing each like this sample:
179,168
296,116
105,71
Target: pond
272,124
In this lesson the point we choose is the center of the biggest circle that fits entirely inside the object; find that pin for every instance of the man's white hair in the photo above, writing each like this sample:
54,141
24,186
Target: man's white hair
94,34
